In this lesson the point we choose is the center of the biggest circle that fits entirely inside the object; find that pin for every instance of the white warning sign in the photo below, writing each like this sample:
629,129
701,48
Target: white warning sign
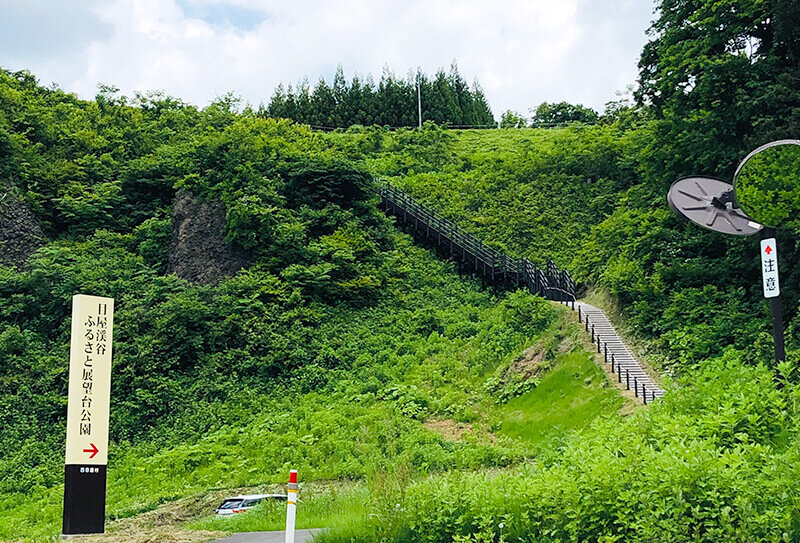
769,268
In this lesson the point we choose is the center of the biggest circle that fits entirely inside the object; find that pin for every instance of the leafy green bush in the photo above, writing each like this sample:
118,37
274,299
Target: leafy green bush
704,464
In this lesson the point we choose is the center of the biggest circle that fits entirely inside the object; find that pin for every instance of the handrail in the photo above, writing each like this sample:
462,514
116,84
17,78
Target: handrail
494,266
473,255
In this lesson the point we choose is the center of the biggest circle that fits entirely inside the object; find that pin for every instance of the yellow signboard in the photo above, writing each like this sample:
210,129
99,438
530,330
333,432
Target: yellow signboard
89,380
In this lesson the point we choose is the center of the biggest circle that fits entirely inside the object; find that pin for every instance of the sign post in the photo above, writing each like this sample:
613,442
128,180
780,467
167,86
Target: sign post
759,199
291,506
87,415
772,290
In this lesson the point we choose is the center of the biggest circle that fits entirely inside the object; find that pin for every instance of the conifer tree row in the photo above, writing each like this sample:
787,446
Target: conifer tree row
447,99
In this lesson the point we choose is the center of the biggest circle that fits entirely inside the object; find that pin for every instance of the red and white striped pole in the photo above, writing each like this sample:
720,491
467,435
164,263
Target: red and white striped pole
291,506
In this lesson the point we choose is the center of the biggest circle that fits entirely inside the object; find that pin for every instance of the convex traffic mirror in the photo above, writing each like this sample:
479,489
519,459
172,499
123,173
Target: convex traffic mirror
767,184
709,203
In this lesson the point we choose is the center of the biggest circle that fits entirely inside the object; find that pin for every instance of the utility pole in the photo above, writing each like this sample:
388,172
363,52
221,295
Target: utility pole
419,97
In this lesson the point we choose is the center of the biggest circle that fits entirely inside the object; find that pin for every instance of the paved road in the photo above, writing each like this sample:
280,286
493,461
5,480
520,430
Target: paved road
300,536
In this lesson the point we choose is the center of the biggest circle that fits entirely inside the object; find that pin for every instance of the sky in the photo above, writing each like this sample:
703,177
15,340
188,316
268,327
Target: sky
523,52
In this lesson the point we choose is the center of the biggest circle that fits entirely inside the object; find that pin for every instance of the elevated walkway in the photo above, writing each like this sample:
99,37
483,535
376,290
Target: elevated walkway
472,255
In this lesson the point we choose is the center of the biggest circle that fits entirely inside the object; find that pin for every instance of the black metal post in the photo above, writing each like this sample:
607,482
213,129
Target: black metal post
612,362
635,386
593,333
644,394
579,314
605,354
776,307
627,380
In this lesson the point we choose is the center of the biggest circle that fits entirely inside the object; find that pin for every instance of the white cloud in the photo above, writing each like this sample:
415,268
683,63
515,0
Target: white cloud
522,51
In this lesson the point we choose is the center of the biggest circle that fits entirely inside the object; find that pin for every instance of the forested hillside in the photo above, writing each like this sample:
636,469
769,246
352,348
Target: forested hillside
428,409
337,350
581,197
717,80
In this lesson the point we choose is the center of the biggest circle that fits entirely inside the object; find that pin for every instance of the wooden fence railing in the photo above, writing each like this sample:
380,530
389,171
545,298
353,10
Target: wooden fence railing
472,255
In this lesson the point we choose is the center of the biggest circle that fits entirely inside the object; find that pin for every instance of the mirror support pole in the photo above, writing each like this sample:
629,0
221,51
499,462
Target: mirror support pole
777,328
776,306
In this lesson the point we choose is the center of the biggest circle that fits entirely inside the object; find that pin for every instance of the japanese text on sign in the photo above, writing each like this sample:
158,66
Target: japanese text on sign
95,329
769,268
89,380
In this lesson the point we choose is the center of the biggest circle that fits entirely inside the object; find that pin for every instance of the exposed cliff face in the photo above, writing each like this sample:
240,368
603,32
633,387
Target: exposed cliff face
199,252
20,233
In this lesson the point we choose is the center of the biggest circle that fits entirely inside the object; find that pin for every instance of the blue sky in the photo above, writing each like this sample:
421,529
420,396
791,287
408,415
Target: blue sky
523,52
223,14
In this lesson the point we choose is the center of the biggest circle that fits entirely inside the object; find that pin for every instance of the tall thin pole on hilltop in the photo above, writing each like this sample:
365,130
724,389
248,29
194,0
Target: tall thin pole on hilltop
419,98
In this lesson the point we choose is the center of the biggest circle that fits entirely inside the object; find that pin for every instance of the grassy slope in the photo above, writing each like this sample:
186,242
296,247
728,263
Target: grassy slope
426,353
572,395
536,193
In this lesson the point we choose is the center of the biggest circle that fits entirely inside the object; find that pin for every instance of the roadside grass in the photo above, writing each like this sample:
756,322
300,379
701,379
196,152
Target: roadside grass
33,519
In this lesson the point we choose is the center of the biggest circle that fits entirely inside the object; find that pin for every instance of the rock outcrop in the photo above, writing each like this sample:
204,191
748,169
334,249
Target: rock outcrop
199,252
20,233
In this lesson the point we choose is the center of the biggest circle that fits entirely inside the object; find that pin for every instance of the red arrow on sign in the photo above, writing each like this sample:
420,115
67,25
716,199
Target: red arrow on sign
94,450
768,250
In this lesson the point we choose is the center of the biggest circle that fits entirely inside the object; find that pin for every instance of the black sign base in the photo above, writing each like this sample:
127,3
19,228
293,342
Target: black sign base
84,499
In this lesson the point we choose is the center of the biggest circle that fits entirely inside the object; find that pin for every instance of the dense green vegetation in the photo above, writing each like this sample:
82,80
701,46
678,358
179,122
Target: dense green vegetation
328,354
547,115
716,462
579,195
446,99
340,349
717,458
716,81
539,421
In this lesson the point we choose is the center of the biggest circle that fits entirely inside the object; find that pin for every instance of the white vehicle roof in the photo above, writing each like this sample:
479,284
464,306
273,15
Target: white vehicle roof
255,496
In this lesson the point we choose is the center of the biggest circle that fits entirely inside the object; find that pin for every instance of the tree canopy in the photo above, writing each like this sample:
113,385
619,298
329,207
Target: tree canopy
447,99
721,78
559,114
